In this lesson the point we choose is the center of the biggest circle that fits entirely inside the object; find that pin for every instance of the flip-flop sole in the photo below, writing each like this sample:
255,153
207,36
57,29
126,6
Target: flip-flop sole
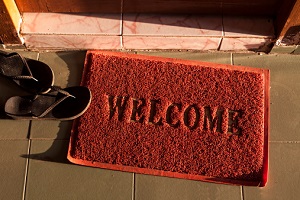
28,107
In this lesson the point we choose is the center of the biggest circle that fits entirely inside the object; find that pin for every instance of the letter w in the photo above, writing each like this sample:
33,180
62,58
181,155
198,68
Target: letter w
120,104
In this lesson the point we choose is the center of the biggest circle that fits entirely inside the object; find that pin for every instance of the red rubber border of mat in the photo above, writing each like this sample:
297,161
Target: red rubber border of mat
180,175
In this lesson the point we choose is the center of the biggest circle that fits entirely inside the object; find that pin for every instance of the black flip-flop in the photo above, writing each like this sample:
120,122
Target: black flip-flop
34,76
58,104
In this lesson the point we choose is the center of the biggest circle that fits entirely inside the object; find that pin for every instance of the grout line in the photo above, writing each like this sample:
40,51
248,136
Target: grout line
223,34
38,55
231,59
121,25
13,139
223,29
242,192
26,170
29,130
285,142
133,186
149,35
47,139
220,43
121,43
28,155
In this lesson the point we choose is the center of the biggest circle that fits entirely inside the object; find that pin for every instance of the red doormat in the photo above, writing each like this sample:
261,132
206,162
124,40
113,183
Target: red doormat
175,118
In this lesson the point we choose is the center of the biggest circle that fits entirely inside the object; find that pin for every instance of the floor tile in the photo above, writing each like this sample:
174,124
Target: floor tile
12,168
64,23
172,25
248,27
26,54
156,188
284,49
50,129
67,66
224,58
9,88
297,50
239,43
13,129
50,176
145,42
72,41
283,177
285,92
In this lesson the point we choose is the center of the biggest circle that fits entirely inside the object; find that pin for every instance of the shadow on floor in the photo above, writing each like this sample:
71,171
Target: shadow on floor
67,67
56,153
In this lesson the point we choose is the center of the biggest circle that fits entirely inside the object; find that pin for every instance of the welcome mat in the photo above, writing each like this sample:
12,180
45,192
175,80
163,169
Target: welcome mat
175,118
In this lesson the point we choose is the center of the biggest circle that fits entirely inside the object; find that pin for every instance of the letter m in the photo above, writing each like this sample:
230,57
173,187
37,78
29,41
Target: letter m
118,104
213,119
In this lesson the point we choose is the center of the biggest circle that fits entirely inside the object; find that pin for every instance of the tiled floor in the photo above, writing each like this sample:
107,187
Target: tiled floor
33,162
144,31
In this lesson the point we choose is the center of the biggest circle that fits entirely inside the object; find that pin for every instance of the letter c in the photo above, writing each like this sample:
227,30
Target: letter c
169,113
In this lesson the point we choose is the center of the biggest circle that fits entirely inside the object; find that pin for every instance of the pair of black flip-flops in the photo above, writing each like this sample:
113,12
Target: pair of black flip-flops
46,101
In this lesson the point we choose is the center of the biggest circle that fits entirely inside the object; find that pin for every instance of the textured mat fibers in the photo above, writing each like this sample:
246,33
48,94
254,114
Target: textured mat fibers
175,118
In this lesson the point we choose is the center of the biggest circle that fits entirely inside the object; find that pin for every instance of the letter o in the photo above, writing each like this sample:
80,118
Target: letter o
186,116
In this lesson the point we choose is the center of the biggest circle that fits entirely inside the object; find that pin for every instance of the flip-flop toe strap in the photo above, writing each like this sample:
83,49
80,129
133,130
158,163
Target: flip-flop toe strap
58,89
27,77
23,77
28,69
52,106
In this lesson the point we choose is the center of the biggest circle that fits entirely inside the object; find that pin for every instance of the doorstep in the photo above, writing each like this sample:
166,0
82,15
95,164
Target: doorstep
145,32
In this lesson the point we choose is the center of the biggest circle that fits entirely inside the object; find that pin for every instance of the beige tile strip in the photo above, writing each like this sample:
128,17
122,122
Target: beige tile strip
144,31
72,42
63,23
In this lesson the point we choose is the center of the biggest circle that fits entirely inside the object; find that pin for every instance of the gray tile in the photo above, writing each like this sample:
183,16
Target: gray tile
155,188
223,58
8,88
13,129
285,92
12,168
284,174
67,66
51,176
283,49
297,50
27,54
50,129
